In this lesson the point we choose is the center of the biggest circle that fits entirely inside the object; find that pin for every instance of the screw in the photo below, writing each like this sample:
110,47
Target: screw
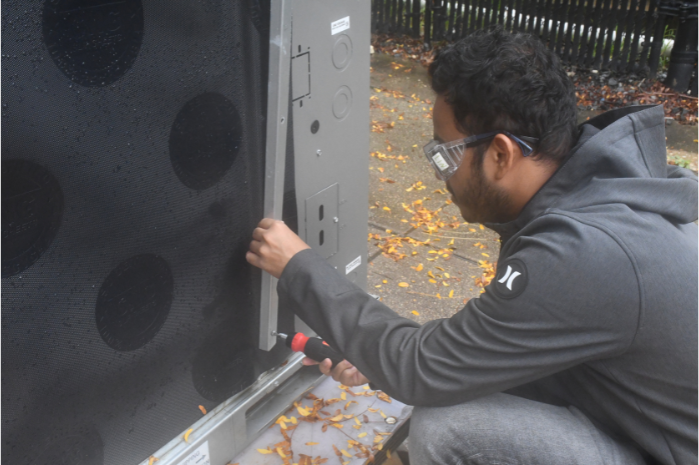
391,420
336,219
318,152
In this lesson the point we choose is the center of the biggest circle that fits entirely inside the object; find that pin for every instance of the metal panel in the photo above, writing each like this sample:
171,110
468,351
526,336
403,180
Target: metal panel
322,221
277,112
331,125
231,426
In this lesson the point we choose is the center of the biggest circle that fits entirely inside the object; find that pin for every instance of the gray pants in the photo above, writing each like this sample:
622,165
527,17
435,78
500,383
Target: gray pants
504,429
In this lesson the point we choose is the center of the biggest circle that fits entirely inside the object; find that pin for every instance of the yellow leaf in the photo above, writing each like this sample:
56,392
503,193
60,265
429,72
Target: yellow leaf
361,435
389,231
152,459
336,418
451,293
471,229
312,443
186,435
343,395
366,388
446,275
403,285
282,425
387,209
379,285
264,451
293,420
485,254
417,268
345,453
481,226
356,420
439,296
433,281
382,414
302,411
281,453
415,312
337,425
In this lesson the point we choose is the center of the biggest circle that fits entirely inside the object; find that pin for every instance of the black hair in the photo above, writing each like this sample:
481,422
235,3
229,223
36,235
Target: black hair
494,80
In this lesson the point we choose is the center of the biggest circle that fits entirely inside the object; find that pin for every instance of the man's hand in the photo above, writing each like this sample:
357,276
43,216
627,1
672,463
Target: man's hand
344,372
273,244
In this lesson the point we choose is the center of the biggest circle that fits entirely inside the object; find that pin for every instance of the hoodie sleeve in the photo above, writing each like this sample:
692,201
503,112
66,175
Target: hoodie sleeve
574,298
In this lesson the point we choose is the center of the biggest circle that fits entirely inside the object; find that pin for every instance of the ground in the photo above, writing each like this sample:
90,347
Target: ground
425,262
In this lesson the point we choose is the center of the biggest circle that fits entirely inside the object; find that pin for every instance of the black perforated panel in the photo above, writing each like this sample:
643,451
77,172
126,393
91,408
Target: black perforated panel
132,176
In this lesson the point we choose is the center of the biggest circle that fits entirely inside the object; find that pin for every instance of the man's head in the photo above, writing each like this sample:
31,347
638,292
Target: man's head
496,81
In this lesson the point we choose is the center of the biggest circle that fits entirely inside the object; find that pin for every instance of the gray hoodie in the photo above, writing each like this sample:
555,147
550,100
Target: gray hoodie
594,301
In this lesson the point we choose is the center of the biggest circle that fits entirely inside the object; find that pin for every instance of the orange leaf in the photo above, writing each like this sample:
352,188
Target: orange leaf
203,410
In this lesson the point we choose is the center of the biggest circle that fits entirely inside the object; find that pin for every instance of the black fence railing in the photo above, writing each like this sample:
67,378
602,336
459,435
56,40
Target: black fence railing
619,35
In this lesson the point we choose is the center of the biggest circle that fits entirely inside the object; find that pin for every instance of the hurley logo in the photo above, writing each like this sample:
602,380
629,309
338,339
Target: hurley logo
513,280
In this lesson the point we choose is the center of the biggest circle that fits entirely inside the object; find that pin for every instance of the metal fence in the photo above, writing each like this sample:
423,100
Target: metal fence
619,35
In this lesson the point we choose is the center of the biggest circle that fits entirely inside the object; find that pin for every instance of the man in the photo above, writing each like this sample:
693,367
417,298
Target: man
590,324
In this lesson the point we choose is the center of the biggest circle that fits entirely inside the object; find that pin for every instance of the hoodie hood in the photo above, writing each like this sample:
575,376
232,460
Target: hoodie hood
620,158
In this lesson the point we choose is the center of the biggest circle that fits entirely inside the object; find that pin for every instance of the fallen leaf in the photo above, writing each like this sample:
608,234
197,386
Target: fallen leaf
387,209
415,312
203,410
312,443
403,285
152,459
186,435
451,293
264,451
384,397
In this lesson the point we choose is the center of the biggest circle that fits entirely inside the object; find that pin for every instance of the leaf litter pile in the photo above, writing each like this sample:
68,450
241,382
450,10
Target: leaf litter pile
594,89
327,413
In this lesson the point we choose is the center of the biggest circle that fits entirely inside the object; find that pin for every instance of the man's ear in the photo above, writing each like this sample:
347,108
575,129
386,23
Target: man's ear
503,153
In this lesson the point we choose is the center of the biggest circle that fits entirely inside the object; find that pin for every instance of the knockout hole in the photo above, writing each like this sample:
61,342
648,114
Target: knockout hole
321,213
321,237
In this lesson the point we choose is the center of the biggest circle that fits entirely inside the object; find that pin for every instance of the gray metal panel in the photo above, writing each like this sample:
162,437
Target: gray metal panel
277,111
336,36
322,222
234,424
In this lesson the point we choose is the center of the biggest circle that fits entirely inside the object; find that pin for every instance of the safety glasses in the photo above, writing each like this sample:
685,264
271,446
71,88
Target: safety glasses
446,158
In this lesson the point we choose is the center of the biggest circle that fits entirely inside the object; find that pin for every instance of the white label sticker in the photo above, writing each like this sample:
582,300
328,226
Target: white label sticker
200,456
353,264
340,25
440,162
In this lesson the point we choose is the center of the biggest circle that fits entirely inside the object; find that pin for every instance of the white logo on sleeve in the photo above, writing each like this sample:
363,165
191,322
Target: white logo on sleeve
511,279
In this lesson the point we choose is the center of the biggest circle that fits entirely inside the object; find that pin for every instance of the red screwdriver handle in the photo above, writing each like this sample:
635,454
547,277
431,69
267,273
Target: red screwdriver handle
318,350
313,347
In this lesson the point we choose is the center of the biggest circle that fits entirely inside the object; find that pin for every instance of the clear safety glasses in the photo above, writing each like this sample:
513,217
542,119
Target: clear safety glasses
446,158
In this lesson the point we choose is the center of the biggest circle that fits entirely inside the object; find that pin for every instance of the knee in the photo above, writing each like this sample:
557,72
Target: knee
460,433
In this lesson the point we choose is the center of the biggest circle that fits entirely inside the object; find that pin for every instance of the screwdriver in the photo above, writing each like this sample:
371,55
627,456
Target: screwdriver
313,347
